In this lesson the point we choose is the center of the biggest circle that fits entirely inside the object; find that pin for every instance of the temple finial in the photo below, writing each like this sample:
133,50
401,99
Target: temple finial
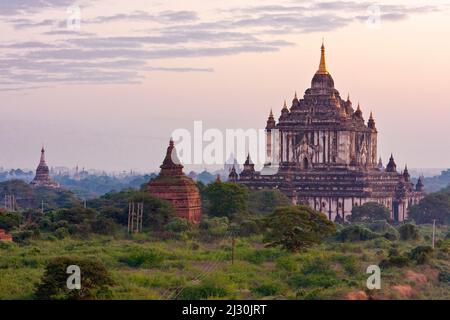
296,95
348,96
322,65
285,105
271,114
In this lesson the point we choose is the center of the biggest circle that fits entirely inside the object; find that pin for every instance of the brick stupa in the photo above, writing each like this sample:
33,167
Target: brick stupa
42,178
174,186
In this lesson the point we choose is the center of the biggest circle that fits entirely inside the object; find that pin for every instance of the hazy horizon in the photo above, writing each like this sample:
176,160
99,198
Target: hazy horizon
109,95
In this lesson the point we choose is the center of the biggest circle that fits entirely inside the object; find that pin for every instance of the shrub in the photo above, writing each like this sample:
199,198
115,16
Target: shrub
326,280
95,280
248,228
314,294
214,227
316,272
45,224
287,263
349,263
144,259
262,255
266,289
61,233
178,225
356,233
23,237
202,292
409,231
395,259
444,277
384,228
104,226
391,236
421,254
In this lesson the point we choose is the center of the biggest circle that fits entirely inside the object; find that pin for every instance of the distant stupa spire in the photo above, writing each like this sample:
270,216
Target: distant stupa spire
42,161
42,177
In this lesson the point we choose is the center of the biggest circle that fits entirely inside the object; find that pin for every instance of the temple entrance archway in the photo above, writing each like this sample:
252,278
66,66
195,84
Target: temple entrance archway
305,163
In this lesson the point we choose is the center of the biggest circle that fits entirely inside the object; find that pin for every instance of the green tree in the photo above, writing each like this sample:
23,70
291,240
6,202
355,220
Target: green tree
226,199
95,280
157,212
435,206
32,198
356,233
409,231
114,205
370,212
266,201
296,227
421,254
10,220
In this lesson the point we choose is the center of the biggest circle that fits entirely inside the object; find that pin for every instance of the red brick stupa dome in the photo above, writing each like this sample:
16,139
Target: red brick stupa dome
174,186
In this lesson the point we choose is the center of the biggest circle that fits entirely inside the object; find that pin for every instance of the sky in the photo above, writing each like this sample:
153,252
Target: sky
104,83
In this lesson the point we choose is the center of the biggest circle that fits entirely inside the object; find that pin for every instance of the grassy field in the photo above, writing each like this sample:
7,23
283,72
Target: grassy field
143,268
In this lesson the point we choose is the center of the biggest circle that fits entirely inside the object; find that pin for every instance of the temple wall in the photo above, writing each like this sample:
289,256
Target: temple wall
332,206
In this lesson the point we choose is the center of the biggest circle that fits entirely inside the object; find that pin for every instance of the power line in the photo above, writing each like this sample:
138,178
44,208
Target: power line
210,267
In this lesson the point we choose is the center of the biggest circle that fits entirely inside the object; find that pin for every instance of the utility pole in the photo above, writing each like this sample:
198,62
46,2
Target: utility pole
233,248
135,217
434,233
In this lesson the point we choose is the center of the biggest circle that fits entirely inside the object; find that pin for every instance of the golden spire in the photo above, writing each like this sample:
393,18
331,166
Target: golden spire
322,65
285,105
371,115
359,107
271,114
295,95
348,97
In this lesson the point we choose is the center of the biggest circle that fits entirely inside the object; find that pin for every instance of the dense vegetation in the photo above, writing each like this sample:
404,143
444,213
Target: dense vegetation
93,186
281,251
143,267
34,198
435,206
